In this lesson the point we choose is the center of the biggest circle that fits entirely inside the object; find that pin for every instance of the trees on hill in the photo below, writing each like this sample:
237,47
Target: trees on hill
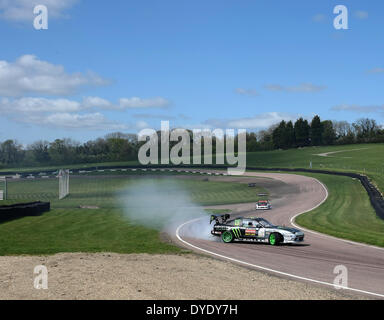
124,147
11,152
301,131
316,131
328,135
327,132
286,135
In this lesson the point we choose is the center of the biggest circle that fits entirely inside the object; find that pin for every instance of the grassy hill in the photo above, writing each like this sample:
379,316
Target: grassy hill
343,215
362,158
346,214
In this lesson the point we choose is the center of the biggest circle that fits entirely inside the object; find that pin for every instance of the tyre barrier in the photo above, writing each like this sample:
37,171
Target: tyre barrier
21,210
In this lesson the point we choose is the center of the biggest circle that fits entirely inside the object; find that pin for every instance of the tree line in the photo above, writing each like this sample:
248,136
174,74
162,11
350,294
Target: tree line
303,133
118,146
112,148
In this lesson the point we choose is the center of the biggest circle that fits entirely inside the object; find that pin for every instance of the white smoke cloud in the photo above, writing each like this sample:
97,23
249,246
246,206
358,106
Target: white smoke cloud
165,204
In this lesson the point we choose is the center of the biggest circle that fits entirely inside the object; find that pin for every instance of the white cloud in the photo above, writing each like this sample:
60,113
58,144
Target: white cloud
38,105
77,121
154,116
64,113
247,92
97,102
139,103
90,121
376,70
260,121
44,105
319,17
140,125
164,117
22,10
358,109
29,75
362,15
301,88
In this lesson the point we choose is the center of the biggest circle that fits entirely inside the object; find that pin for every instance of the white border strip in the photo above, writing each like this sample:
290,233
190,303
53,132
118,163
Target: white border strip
268,269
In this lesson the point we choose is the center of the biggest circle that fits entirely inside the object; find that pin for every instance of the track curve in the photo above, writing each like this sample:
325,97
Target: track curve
314,261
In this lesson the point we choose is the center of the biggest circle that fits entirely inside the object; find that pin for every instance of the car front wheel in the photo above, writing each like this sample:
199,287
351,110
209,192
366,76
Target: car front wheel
275,239
227,237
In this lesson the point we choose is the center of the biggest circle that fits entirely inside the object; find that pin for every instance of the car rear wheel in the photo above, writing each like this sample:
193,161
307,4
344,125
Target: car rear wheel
227,237
274,239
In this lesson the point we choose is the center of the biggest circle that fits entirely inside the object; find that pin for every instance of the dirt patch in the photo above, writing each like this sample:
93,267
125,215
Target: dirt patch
144,276
89,207
327,154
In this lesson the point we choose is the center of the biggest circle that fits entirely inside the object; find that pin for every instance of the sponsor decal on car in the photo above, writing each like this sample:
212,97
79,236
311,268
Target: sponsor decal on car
236,232
250,232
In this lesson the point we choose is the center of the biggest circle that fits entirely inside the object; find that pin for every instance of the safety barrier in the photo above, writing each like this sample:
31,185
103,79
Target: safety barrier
21,210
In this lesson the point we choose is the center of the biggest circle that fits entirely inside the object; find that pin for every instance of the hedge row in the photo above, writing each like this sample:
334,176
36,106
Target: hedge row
16,211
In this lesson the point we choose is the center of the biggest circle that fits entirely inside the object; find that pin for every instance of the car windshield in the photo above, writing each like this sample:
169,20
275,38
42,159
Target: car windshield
266,223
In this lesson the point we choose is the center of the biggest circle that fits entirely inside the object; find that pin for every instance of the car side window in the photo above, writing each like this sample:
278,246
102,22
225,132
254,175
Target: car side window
249,223
236,222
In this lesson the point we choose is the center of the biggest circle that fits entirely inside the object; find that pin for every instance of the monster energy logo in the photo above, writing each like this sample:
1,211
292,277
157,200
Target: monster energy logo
236,232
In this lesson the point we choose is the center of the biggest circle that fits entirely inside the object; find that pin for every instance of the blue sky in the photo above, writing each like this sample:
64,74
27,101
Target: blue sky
125,65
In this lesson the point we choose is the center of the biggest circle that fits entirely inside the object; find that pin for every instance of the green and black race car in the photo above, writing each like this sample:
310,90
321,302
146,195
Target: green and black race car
253,230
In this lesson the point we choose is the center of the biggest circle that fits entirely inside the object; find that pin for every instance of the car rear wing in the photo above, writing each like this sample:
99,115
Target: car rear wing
223,217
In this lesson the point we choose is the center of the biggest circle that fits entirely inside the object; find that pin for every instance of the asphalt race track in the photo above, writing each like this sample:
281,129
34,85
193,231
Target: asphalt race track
315,260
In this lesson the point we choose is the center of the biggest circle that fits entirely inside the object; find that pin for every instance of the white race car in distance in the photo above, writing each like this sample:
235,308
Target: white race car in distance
263,205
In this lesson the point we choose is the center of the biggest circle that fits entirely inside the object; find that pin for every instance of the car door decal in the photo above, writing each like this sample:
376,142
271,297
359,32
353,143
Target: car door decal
251,232
236,232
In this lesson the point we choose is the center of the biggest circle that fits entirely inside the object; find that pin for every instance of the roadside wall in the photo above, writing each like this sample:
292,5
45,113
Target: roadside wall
17,211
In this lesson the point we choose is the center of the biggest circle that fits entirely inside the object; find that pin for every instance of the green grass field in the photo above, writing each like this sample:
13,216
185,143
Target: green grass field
75,230
362,158
346,214
66,228
103,191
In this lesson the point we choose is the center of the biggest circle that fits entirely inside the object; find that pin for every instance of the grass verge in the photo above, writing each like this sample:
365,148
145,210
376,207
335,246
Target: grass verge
346,214
76,230
67,228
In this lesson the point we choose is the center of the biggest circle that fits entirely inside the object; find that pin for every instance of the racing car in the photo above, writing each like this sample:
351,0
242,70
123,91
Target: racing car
263,205
253,230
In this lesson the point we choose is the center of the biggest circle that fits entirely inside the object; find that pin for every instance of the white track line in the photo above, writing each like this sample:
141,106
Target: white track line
277,271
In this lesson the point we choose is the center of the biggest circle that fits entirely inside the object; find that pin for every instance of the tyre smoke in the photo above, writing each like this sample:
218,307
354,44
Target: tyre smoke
165,204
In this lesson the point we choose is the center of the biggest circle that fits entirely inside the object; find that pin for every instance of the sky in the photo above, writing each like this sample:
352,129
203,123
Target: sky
107,66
